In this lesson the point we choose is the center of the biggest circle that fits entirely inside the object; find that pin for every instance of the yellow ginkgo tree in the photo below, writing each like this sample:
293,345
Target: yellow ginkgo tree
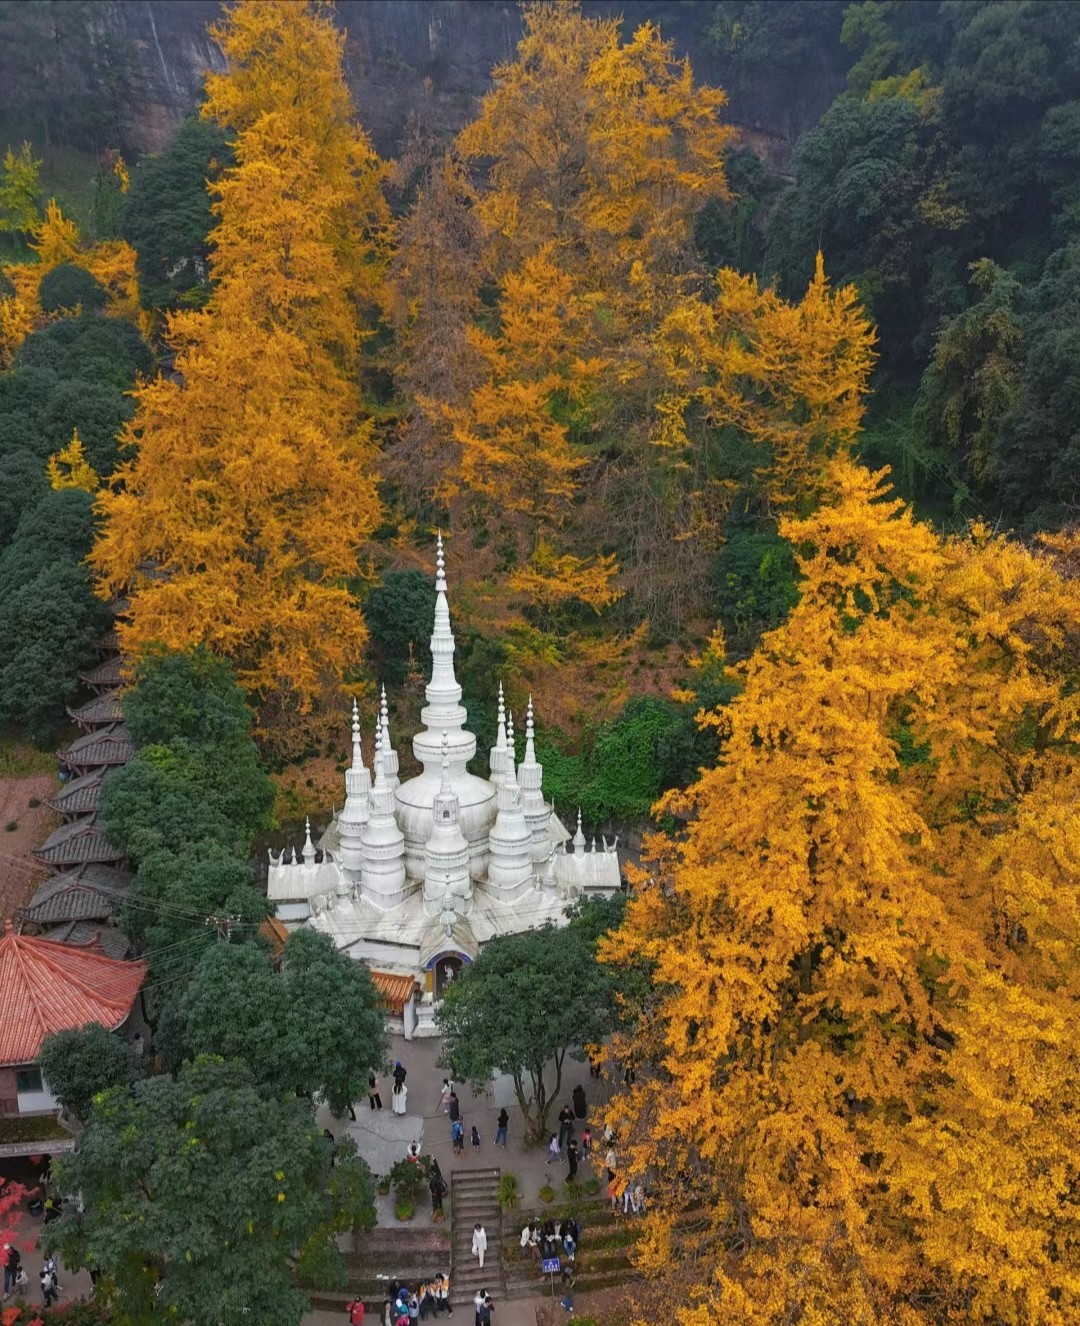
69,468
863,1051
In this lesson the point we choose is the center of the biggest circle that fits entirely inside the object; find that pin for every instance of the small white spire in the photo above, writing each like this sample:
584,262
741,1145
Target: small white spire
500,738
530,748
377,762
309,846
579,837
357,745
384,718
440,565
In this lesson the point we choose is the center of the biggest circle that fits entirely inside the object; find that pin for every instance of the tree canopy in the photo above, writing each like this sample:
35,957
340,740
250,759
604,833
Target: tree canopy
525,1003
80,1064
198,1190
312,1028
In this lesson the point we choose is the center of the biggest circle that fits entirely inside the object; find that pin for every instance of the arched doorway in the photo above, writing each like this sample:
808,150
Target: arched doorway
447,970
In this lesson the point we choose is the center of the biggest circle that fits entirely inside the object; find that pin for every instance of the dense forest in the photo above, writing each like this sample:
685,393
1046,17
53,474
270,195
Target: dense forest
755,473
529,395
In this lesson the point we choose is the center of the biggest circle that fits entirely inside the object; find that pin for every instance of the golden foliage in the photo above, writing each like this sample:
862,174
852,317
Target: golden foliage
252,483
69,468
864,947
56,238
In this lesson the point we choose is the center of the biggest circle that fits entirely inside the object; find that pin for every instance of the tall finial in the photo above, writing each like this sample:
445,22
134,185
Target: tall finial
500,736
309,846
384,716
530,747
357,745
440,565
510,736
377,762
579,837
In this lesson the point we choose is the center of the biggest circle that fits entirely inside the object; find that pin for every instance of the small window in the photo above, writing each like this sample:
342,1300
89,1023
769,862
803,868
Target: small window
28,1080
446,814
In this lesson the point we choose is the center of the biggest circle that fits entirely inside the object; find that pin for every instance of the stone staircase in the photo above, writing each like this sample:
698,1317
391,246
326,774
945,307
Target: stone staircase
382,1259
601,1260
474,1200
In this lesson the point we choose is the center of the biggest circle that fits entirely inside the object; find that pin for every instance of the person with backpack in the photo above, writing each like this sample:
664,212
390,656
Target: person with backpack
12,1262
355,1312
50,1291
457,1137
502,1124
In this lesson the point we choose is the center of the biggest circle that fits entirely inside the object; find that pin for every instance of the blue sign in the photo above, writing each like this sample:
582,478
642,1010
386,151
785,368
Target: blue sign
550,1266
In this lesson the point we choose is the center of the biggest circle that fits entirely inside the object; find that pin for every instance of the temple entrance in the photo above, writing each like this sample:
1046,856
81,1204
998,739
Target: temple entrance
447,970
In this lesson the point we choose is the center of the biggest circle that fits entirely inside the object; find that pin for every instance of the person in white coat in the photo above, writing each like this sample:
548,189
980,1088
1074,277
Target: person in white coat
479,1243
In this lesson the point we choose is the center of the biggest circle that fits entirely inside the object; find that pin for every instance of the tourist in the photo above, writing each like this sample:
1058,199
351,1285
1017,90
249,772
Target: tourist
445,1094
387,1313
453,1108
566,1125
437,1188
400,1073
639,1199
355,1312
475,1138
595,1063
610,1162
579,1101
479,1243
412,1155
501,1126
571,1229
374,1099
442,1294
12,1262
572,1157
478,1303
586,1140
483,1314
414,1308
399,1098
457,1137
50,1291
554,1151
548,1238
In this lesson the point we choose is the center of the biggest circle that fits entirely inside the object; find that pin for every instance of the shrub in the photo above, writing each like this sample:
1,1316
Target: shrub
68,287
547,1193
34,802
592,1187
407,1180
573,1190
404,1210
11,826
509,1195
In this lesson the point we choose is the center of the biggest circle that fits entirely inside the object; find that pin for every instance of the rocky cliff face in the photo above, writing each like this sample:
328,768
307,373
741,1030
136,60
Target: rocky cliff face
124,72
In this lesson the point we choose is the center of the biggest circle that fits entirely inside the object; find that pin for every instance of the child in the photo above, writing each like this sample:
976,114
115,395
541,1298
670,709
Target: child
586,1140
475,1138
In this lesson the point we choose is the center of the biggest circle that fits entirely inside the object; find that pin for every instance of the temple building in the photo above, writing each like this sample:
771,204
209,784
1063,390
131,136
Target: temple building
415,877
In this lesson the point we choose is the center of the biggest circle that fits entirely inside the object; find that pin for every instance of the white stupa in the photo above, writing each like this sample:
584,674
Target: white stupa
416,877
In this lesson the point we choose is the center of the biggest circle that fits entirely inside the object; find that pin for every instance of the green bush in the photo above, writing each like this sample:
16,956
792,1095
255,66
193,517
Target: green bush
573,1190
68,287
404,1210
408,1180
592,1187
509,1195
547,1193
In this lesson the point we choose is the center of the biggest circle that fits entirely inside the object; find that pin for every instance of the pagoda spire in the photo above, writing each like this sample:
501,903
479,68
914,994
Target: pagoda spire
382,877
357,808
309,846
579,837
447,886
498,753
510,861
531,774
389,754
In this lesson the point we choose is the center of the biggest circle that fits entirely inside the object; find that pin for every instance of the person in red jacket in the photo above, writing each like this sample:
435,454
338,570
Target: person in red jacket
355,1309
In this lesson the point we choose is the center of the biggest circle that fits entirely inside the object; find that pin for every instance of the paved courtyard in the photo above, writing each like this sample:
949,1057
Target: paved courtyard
382,1137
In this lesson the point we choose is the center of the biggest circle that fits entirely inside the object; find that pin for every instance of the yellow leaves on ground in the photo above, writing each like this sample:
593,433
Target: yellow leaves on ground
252,479
868,942
69,468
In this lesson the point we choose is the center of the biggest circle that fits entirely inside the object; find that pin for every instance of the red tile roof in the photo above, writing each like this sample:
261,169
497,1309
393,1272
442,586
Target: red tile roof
47,987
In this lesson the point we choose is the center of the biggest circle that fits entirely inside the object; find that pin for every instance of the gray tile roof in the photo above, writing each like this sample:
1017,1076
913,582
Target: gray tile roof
104,747
82,796
89,893
101,710
78,843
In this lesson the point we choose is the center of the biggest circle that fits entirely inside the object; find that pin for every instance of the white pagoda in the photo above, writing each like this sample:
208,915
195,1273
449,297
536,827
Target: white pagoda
415,877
